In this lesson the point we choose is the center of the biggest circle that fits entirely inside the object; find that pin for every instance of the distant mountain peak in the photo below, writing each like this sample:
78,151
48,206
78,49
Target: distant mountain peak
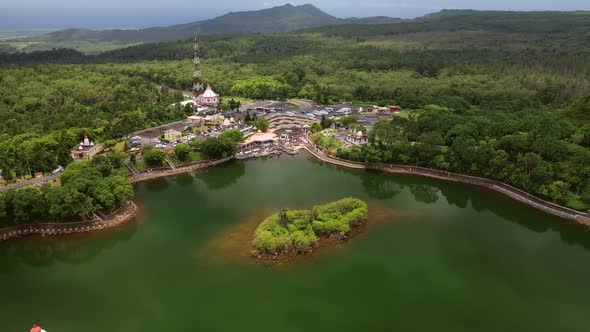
277,19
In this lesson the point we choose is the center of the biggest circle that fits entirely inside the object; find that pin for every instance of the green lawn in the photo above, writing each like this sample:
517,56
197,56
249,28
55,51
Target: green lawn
119,147
123,171
196,156
402,114
193,157
140,165
327,142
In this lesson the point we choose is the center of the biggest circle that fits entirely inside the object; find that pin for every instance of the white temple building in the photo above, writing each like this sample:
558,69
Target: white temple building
357,139
86,148
208,98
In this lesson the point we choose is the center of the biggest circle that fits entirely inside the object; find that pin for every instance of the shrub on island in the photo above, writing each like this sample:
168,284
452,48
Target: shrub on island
297,231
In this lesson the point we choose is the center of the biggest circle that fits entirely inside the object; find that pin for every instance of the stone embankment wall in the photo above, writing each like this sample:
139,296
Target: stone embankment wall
515,193
127,212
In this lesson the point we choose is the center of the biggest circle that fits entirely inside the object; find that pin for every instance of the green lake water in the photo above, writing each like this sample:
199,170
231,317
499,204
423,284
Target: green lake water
452,258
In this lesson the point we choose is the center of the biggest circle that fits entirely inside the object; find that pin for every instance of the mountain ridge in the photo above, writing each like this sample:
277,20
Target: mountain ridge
278,19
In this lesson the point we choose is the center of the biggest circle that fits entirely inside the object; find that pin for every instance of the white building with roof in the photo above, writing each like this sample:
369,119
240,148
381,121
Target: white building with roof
208,98
357,139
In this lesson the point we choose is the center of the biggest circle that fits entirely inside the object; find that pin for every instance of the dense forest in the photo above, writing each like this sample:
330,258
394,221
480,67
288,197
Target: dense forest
499,94
85,188
45,110
536,151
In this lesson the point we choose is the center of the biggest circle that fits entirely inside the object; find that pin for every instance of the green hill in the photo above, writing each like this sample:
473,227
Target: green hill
473,20
460,29
279,19
273,20
449,29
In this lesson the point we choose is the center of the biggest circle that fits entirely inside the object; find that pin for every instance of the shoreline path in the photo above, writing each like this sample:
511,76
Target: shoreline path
130,209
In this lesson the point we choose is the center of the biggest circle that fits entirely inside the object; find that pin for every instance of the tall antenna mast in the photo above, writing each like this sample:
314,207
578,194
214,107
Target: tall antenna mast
198,84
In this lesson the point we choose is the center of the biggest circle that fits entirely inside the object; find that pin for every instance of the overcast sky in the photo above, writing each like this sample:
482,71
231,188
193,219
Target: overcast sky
30,14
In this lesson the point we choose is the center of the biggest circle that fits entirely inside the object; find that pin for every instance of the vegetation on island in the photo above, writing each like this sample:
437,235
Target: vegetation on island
297,231
84,188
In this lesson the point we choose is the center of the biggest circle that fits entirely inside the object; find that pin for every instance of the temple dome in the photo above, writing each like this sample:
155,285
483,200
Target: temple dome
209,93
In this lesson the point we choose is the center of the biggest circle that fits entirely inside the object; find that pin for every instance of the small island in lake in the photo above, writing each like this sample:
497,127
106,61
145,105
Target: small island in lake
296,232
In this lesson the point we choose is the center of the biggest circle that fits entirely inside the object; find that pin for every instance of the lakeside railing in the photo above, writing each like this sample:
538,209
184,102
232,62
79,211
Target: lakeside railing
518,194
57,228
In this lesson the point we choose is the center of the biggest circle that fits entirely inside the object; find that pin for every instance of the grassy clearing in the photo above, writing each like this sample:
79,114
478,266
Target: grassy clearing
140,165
326,142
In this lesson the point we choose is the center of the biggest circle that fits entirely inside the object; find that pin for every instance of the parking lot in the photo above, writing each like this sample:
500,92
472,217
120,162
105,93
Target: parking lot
297,107
151,135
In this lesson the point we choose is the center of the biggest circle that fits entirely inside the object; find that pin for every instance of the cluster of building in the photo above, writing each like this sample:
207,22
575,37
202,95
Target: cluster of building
284,127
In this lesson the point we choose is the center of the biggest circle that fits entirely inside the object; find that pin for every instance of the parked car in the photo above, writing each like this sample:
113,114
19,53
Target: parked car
59,169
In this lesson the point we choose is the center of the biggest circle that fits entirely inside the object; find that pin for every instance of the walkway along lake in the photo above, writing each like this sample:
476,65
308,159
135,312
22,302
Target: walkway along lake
468,259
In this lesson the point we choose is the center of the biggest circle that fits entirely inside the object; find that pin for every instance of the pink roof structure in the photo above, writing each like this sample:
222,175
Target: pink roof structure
209,93
208,98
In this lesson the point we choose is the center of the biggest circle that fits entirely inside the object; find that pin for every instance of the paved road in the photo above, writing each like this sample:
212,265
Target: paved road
37,181
149,135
